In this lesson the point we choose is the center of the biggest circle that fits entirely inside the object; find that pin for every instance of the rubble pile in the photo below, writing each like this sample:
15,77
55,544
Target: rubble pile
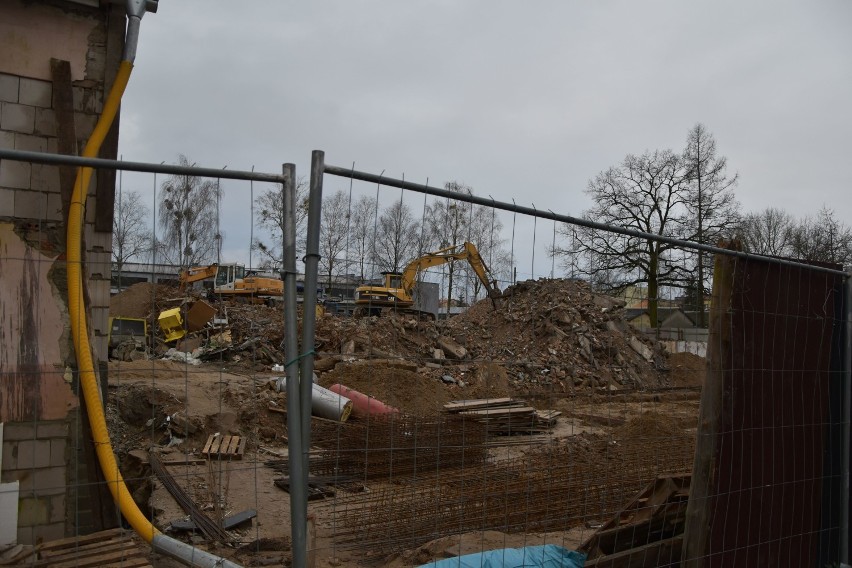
144,300
549,332
558,331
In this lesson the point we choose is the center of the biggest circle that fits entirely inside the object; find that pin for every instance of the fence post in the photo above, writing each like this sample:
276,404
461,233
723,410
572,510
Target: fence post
309,300
295,455
847,417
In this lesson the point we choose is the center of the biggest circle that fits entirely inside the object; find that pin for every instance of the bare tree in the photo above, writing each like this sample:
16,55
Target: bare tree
769,232
131,239
397,238
189,208
448,224
710,203
333,227
822,238
485,231
646,193
270,207
361,233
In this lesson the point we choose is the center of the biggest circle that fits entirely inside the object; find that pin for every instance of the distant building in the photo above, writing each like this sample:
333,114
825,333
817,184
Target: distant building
667,317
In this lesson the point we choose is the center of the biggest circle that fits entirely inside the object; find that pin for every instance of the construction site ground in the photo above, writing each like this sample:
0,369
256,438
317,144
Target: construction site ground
628,412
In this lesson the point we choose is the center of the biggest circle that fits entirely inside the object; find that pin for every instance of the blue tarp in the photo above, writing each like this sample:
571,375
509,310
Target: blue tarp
546,556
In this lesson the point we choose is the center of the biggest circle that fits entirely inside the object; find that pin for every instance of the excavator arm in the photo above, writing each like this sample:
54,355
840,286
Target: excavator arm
196,273
467,252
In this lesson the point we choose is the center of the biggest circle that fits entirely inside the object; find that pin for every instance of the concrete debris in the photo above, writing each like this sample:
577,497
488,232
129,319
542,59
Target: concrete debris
452,348
181,357
546,332
641,349
130,350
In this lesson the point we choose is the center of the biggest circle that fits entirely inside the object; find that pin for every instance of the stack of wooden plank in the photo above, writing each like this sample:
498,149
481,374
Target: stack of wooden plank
504,416
115,547
646,533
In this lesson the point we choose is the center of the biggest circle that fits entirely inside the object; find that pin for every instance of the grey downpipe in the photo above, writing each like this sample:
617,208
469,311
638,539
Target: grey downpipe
189,555
295,453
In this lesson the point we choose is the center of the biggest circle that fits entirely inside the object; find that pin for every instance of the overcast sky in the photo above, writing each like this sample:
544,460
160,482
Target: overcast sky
520,100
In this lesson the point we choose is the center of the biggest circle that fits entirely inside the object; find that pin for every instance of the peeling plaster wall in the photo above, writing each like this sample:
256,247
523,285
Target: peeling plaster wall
32,324
45,443
32,33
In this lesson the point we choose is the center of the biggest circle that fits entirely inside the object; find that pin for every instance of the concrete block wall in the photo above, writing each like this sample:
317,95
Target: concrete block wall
45,445
37,455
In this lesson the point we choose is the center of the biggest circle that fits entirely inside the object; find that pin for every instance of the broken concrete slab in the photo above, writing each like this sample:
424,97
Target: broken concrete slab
452,348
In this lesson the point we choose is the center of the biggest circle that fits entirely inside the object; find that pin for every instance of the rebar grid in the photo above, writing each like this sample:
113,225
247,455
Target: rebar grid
586,479
391,447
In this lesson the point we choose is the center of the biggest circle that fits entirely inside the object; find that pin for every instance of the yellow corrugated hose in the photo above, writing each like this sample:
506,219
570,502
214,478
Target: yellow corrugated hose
79,323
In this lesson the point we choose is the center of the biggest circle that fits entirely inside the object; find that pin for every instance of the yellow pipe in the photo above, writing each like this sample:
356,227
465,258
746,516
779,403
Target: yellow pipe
79,323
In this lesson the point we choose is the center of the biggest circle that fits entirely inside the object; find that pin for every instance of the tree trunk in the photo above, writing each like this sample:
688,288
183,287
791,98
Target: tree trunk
653,287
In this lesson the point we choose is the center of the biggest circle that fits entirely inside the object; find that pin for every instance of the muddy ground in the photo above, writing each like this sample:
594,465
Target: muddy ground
213,399
627,413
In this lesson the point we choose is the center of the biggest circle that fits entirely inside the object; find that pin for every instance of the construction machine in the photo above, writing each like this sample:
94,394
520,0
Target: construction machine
398,287
231,280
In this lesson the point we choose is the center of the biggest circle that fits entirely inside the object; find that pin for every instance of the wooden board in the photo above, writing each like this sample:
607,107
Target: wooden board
115,547
220,446
458,405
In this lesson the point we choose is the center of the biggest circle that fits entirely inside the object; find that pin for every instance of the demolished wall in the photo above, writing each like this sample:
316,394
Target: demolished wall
57,60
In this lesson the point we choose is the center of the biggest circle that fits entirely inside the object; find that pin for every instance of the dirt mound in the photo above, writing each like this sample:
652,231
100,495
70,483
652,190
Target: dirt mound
652,427
687,370
410,392
560,330
141,300
545,334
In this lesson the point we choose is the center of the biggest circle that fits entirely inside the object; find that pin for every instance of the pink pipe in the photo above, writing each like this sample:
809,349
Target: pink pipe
363,405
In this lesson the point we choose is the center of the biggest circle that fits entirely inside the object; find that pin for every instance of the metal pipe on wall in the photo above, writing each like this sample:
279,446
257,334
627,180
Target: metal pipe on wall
295,453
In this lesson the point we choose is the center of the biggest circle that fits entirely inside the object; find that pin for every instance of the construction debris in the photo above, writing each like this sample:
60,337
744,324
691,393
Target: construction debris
231,522
470,440
204,523
114,547
647,532
548,332
504,416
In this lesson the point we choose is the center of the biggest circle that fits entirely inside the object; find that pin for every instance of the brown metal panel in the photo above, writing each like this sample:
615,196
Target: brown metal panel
105,189
765,503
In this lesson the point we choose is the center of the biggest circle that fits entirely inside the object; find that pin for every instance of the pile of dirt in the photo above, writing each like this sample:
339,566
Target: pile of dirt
544,334
143,300
687,370
418,392
560,330
650,426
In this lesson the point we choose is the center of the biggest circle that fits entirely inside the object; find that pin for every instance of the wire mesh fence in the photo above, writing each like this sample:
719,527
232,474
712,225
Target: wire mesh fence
566,410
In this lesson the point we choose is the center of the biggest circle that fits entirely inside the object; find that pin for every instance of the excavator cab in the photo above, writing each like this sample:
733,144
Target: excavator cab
393,280
228,274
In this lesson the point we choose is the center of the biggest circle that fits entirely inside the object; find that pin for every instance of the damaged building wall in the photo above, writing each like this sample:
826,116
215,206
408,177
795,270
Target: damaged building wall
58,57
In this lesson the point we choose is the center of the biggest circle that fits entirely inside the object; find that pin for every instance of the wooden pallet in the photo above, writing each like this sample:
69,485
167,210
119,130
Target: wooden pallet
647,532
219,446
114,547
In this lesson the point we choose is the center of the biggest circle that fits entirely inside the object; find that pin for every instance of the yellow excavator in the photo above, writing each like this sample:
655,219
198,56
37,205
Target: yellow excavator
231,280
398,287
